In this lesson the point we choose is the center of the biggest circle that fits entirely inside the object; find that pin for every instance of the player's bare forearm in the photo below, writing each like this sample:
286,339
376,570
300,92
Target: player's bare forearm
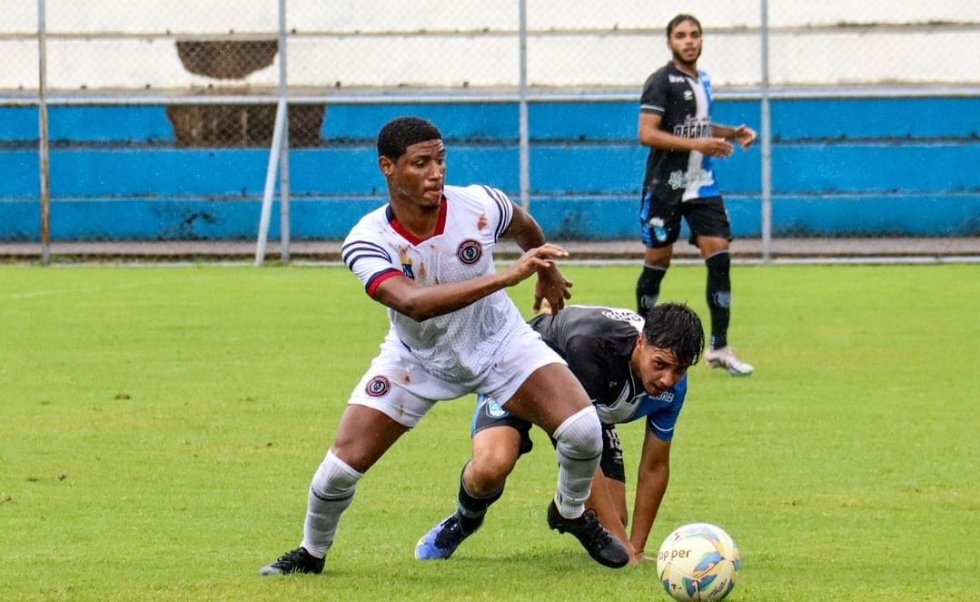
714,146
661,140
651,484
742,134
648,498
424,302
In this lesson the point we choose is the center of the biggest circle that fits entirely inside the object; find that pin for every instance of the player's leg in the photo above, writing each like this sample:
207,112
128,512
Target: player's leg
711,232
333,485
553,399
377,414
498,441
718,288
656,262
608,496
659,228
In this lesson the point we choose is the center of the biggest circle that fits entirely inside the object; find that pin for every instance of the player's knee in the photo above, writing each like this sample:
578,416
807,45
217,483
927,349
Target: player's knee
580,436
490,468
334,479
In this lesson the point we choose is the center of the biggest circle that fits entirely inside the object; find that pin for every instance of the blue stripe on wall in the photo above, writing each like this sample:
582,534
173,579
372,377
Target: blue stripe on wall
823,168
876,118
557,169
840,167
567,218
856,118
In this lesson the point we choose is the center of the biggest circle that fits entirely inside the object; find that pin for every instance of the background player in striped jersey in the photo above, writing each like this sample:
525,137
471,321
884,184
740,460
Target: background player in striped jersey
631,369
675,122
427,256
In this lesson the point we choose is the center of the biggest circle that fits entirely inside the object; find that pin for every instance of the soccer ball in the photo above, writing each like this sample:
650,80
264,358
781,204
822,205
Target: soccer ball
698,562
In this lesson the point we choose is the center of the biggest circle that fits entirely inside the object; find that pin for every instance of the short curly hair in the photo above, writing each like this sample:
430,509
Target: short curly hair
399,134
676,327
680,19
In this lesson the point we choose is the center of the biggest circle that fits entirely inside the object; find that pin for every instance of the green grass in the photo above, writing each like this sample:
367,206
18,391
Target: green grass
159,427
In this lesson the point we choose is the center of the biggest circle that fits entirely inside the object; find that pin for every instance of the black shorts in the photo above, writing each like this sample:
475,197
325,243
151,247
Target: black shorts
611,463
490,414
660,221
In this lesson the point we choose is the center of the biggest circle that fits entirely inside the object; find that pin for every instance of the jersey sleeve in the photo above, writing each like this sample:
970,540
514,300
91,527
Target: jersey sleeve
370,260
654,96
500,210
662,422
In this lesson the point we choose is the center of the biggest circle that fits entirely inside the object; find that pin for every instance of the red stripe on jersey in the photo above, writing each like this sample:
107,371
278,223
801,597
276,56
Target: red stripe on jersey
372,286
440,226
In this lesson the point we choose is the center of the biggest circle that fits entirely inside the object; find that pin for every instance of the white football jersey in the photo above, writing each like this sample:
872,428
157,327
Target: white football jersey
461,344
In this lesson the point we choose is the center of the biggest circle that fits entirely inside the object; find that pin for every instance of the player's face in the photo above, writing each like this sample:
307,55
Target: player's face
685,43
418,176
658,369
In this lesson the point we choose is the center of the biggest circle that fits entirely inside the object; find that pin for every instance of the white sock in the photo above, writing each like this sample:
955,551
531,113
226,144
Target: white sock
331,492
579,448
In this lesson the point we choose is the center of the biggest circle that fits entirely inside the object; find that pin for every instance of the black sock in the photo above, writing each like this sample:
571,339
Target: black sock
470,509
648,288
719,296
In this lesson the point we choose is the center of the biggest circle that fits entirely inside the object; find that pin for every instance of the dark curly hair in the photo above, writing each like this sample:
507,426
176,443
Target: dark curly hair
399,134
680,19
676,327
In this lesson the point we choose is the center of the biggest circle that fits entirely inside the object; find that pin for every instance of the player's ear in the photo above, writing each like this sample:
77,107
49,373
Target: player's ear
386,165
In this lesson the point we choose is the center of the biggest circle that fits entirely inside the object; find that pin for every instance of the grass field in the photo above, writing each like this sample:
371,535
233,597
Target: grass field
159,427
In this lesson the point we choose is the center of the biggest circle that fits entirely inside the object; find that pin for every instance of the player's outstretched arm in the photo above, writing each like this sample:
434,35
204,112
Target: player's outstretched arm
651,135
651,484
407,297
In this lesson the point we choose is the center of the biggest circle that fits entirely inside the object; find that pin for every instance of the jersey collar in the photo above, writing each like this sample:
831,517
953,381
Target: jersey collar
415,240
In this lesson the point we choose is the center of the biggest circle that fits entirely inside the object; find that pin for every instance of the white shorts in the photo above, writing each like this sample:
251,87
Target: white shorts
398,385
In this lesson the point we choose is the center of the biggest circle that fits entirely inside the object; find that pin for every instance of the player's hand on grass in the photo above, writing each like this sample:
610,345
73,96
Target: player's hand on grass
642,558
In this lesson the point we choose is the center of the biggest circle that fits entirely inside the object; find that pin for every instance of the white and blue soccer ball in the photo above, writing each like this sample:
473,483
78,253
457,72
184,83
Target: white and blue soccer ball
699,562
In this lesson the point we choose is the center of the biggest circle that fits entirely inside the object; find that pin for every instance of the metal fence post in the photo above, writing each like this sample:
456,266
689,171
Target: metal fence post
43,150
523,122
283,150
766,133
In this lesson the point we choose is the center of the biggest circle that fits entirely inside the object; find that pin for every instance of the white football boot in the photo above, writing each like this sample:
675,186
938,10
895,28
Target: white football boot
725,358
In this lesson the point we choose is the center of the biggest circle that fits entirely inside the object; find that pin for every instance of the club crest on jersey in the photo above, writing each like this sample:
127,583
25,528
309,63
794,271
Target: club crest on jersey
407,266
378,387
469,251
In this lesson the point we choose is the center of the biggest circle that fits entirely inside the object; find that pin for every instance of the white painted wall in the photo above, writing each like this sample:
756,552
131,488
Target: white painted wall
572,43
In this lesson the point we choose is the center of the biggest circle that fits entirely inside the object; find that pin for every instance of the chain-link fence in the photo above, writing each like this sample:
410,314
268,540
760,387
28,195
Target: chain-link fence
184,47
135,89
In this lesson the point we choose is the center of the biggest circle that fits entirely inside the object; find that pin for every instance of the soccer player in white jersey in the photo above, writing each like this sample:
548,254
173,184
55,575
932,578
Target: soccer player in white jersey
680,181
427,256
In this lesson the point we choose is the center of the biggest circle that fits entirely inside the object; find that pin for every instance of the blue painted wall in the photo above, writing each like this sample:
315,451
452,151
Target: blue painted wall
906,167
